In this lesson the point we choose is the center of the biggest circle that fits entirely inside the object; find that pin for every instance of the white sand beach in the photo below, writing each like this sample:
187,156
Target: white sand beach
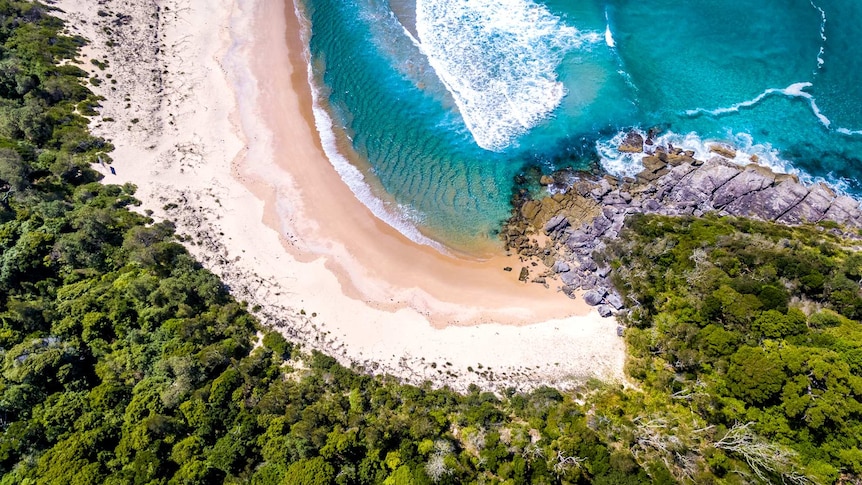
210,110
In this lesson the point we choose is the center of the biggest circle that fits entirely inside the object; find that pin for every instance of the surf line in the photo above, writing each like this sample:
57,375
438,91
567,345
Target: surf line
794,91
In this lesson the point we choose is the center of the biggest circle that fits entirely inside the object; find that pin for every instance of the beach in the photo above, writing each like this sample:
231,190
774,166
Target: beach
212,118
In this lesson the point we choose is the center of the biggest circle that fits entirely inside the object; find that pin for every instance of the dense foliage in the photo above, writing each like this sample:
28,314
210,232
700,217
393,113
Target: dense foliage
123,361
751,322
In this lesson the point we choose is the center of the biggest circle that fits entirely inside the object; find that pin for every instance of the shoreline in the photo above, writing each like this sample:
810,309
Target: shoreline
288,234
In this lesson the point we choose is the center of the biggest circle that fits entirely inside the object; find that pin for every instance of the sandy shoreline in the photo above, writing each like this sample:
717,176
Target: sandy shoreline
225,145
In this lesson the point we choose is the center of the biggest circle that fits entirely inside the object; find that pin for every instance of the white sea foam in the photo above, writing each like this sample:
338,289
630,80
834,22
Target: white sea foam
398,216
820,60
822,21
609,36
796,90
498,58
622,164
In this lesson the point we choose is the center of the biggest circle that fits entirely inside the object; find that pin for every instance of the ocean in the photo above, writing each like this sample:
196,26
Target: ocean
430,109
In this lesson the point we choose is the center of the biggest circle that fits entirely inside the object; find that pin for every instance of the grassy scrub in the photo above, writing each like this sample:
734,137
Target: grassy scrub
123,361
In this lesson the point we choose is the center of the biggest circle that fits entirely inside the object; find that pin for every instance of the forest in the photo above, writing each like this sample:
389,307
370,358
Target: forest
124,361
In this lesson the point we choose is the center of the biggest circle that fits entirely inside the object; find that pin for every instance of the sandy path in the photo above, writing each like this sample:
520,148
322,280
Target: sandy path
216,129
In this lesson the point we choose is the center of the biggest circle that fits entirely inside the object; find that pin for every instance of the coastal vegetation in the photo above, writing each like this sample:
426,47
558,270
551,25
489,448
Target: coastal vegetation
122,360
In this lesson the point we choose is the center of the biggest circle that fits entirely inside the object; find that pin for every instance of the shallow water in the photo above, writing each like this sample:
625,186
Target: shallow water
445,101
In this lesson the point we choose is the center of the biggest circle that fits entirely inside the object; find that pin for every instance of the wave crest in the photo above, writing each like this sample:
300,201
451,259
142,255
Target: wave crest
498,58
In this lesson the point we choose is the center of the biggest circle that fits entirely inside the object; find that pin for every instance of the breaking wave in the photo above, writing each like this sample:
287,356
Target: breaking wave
622,164
498,58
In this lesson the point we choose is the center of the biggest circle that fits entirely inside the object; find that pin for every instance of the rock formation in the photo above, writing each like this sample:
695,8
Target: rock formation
565,229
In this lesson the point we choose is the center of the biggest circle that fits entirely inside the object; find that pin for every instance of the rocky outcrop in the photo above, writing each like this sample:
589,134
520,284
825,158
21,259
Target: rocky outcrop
632,143
574,223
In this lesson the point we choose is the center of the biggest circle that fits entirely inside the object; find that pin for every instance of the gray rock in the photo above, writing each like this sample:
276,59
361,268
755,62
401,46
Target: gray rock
579,239
557,223
750,180
700,184
587,264
812,208
615,198
770,203
603,188
614,300
594,297
570,278
844,210
603,271
561,267
605,311
600,225
651,205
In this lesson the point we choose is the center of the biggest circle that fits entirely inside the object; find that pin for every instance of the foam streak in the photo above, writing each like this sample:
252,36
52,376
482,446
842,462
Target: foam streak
820,60
794,90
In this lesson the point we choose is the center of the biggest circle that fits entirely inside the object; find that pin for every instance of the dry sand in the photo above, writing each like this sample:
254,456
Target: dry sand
209,107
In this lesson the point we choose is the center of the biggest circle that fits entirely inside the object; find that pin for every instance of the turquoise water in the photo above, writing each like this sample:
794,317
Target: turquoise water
441,103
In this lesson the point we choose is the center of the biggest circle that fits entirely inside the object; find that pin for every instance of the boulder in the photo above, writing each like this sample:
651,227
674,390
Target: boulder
579,239
632,143
723,150
645,176
561,267
525,273
605,311
570,278
675,159
601,189
653,163
651,205
546,180
594,297
557,223
601,224
587,264
614,300
530,209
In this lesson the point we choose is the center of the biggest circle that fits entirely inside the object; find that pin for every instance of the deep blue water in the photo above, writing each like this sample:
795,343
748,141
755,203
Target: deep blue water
442,102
